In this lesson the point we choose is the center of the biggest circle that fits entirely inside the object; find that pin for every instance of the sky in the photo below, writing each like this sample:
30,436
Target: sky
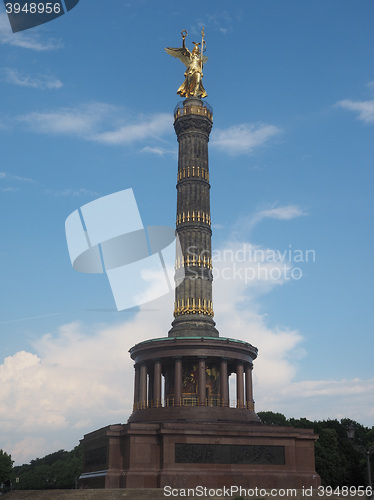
87,110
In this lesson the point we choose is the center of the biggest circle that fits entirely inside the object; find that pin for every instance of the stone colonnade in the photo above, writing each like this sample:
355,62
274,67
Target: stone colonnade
148,383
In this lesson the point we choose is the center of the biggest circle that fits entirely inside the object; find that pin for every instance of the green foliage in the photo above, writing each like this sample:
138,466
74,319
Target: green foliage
6,470
337,461
270,418
329,458
58,470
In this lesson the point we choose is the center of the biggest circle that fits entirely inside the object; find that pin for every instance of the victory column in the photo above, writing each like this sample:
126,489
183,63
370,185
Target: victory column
188,428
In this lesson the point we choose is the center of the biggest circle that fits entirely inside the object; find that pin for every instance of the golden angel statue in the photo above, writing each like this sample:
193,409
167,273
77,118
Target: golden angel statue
194,61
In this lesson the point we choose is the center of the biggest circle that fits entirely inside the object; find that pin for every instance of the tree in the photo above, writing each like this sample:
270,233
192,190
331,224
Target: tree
6,469
271,418
60,470
337,462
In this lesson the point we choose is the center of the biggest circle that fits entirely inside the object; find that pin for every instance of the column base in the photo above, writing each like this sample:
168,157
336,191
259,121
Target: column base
193,328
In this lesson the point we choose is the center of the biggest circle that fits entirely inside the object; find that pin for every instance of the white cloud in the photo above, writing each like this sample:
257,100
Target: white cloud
159,151
31,41
29,446
92,121
152,126
323,399
41,82
237,316
285,212
81,121
76,379
21,179
73,192
250,270
243,138
106,124
18,178
280,349
29,318
364,109
221,22
10,178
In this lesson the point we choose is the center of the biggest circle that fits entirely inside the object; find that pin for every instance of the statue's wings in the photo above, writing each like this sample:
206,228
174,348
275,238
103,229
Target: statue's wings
183,54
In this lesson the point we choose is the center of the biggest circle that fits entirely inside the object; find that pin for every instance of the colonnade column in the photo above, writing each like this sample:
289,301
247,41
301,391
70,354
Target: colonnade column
143,386
136,387
224,383
178,382
239,385
157,383
249,387
202,382
150,388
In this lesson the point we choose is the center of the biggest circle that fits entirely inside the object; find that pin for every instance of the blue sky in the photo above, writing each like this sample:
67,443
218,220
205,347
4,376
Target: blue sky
86,111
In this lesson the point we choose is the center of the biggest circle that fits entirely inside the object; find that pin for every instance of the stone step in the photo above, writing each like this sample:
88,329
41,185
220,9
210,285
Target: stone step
108,494
117,494
151,494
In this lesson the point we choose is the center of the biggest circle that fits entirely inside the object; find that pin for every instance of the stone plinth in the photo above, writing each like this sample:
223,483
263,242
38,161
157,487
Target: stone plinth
154,455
